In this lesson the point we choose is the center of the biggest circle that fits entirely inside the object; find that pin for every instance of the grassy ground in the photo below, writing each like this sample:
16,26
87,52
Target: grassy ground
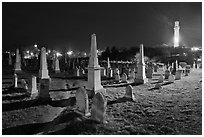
174,109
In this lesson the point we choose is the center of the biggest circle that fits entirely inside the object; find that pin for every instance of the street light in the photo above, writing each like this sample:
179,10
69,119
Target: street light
70,53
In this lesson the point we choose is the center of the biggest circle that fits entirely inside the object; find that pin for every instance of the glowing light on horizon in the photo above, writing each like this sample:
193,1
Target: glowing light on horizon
70,53
58,54
35,45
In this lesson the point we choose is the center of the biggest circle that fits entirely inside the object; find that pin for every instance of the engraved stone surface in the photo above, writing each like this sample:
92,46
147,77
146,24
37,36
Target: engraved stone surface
129,92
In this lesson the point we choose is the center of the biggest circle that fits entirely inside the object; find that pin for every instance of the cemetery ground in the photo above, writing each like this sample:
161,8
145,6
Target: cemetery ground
174,109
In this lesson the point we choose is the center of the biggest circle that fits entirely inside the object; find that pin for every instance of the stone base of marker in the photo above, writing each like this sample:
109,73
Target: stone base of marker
57,71
17,71
91,93
43,94
140,81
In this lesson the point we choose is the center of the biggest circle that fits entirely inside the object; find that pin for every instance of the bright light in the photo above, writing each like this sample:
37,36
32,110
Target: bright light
35,46
49,51
194,49
58,54
27,51
70,53
31,54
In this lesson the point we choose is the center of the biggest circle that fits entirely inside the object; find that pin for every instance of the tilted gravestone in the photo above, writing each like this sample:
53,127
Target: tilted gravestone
98,108
161,78
124,78
129,92
82,102
171,78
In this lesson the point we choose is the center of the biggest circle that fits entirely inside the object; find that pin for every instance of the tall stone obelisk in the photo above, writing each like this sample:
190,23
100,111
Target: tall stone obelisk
43,72
94,74
18,62
140,77
176,34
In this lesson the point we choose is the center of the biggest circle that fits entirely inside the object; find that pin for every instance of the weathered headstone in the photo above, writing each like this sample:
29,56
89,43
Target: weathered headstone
155,67
109,72
171,78
43,72
124,78
76,72
132,74
140,75
10,59
108,63
98,108
24,84
94,74
103,72
44,90
129,92
161,78
166,74
149,72
178,75
82,102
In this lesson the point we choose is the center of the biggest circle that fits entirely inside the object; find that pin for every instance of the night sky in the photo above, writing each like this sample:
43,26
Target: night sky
68,25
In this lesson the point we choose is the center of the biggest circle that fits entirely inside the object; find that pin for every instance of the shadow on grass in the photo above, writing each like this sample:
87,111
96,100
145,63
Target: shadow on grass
121,85
11,90
18,97
27,129
70,89
119,100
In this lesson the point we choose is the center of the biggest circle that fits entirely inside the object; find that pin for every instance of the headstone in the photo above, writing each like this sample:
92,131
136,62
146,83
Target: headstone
161,78
171,78
18,62
94,74
155,67
194,65
81,72
140,75
108,63
124,78
178,75
15,81
34,89
43,72
76,72
129,92
103,72
117,77
98,108
166,74
24,84
109,72
44,90
82,102
57,68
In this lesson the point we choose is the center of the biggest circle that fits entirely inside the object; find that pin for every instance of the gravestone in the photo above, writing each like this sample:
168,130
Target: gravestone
155,67
81,72
15,81
57,68
109,72
140,77
166,74
161,78
24,84
98,108
10,59
108,63
94,69
124,78
82,102
129,92
34,89
178,75
44,90
171,78
103,72
76,72
43,72
117,77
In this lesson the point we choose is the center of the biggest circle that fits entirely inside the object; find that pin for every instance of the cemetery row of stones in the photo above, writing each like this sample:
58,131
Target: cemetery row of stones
93,89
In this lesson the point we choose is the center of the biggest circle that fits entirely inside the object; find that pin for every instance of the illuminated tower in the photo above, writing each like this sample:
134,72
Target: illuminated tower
176,34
